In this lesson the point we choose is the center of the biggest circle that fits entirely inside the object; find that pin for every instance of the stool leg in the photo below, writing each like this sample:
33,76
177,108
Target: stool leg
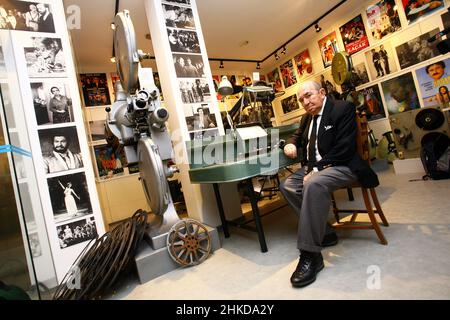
377,205
373,220
335,209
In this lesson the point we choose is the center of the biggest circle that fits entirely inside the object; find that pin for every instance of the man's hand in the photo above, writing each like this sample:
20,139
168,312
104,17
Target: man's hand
290,150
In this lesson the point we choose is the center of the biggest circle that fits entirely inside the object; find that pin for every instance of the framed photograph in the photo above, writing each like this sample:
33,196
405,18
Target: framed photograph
26,16
201,118
288,74
185,41
52,102
188,66
204,134
445,17
290,104
95,89
303,63
368,100
185,2
194,90
69,196
35,244
60,149
76,232
44,57
381,61
383,19
400,94
328,48
327,82
274,77
434,83
359,74
178,17
109,161
415,9
354,35
417,50
97,129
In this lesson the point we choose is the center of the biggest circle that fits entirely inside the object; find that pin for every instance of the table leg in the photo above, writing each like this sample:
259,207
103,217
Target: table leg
221,212
256,216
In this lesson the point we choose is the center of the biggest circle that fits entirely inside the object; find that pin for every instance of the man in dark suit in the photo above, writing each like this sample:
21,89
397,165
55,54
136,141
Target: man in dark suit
326,140
45,22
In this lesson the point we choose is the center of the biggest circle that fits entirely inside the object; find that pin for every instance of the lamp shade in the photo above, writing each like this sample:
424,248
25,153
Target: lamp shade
225,87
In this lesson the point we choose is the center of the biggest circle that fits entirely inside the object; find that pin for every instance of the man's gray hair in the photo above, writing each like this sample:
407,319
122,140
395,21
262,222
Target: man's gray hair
310,83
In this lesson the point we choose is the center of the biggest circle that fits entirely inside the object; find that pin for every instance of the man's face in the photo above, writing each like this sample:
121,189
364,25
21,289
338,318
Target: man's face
311,99
55,91
40,7
436,71
60,144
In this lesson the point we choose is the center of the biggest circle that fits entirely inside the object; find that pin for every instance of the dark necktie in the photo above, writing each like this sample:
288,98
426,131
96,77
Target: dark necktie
312,145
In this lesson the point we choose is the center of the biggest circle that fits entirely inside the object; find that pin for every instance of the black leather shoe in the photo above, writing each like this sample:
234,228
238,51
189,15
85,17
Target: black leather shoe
308,267
330,239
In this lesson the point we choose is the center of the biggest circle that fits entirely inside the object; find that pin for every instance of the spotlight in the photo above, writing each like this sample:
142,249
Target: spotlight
276,56
112,59
283,51
221,64
258,66
113,26
318,29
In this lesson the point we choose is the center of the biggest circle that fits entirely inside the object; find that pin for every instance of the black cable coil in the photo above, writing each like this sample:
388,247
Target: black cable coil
103,259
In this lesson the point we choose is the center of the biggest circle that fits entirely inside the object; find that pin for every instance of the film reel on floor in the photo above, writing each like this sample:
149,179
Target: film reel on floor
188,242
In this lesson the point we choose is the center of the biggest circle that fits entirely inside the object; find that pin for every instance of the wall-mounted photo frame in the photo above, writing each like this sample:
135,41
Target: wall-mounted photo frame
60,149
327,82
434,83
44,57
354,35
383,19
417,50
184,41
95,89
400,94
288,74
360,75
328,48
76,232
189,65
416,9
274,77
201,118
381,61
109,161
290,104
69,196
178,17
303,63
52,102
97,130
194,91
368,100
27,16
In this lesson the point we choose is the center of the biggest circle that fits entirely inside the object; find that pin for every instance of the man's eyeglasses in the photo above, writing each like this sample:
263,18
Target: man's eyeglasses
307,96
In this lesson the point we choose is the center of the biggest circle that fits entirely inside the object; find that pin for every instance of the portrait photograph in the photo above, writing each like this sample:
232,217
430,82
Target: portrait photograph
201,118
26,16
109,161
328,48
274,77
417,50
194,90
79,231
188,66
183,40
354,35
416,9
290,104
303,63
60,149
288,74
434,83
97,130
359,74
52,102
44,57
400,94
204,134
69,196
95,89
369,101
381,61
383,19
178,17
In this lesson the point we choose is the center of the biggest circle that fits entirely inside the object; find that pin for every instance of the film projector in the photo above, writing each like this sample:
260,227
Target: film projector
136,123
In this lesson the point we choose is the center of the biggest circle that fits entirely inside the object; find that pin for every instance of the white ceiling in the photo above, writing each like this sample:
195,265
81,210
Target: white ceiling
226,24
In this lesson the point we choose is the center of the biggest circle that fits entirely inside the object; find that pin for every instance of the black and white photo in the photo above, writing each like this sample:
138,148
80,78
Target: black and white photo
205,134
186,2
35,244
183,40
417,50
359,74
60,149
26,16
178,17
52,102
44,57
69,196
76,232
188,65
381,61
201,119
97,129
194,90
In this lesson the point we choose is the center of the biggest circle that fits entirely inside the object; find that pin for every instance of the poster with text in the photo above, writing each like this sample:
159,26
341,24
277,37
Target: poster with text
274,77
415,9
400,94
95,89
288,74
369,101
354,35
434,83
328,48
303,64
383,19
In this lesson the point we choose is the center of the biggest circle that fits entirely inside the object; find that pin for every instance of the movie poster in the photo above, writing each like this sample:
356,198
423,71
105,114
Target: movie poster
326,80
369,101
303,64
415,9
290,104
95,89
354,35
383,19
274,77
288,74
434,83
108,161
400,94
381,61
328,48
